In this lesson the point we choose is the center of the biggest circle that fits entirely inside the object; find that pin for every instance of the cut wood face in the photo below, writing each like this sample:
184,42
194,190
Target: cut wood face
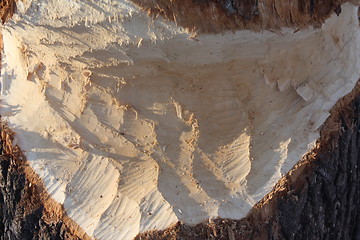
134,124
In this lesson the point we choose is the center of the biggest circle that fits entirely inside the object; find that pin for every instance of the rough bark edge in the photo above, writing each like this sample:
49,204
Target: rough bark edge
214,16
279,214
7,9
34,196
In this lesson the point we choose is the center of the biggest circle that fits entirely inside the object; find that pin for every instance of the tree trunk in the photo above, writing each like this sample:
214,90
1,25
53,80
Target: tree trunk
171,120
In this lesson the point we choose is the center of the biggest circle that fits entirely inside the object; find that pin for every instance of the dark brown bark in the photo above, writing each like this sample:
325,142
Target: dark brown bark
22,213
